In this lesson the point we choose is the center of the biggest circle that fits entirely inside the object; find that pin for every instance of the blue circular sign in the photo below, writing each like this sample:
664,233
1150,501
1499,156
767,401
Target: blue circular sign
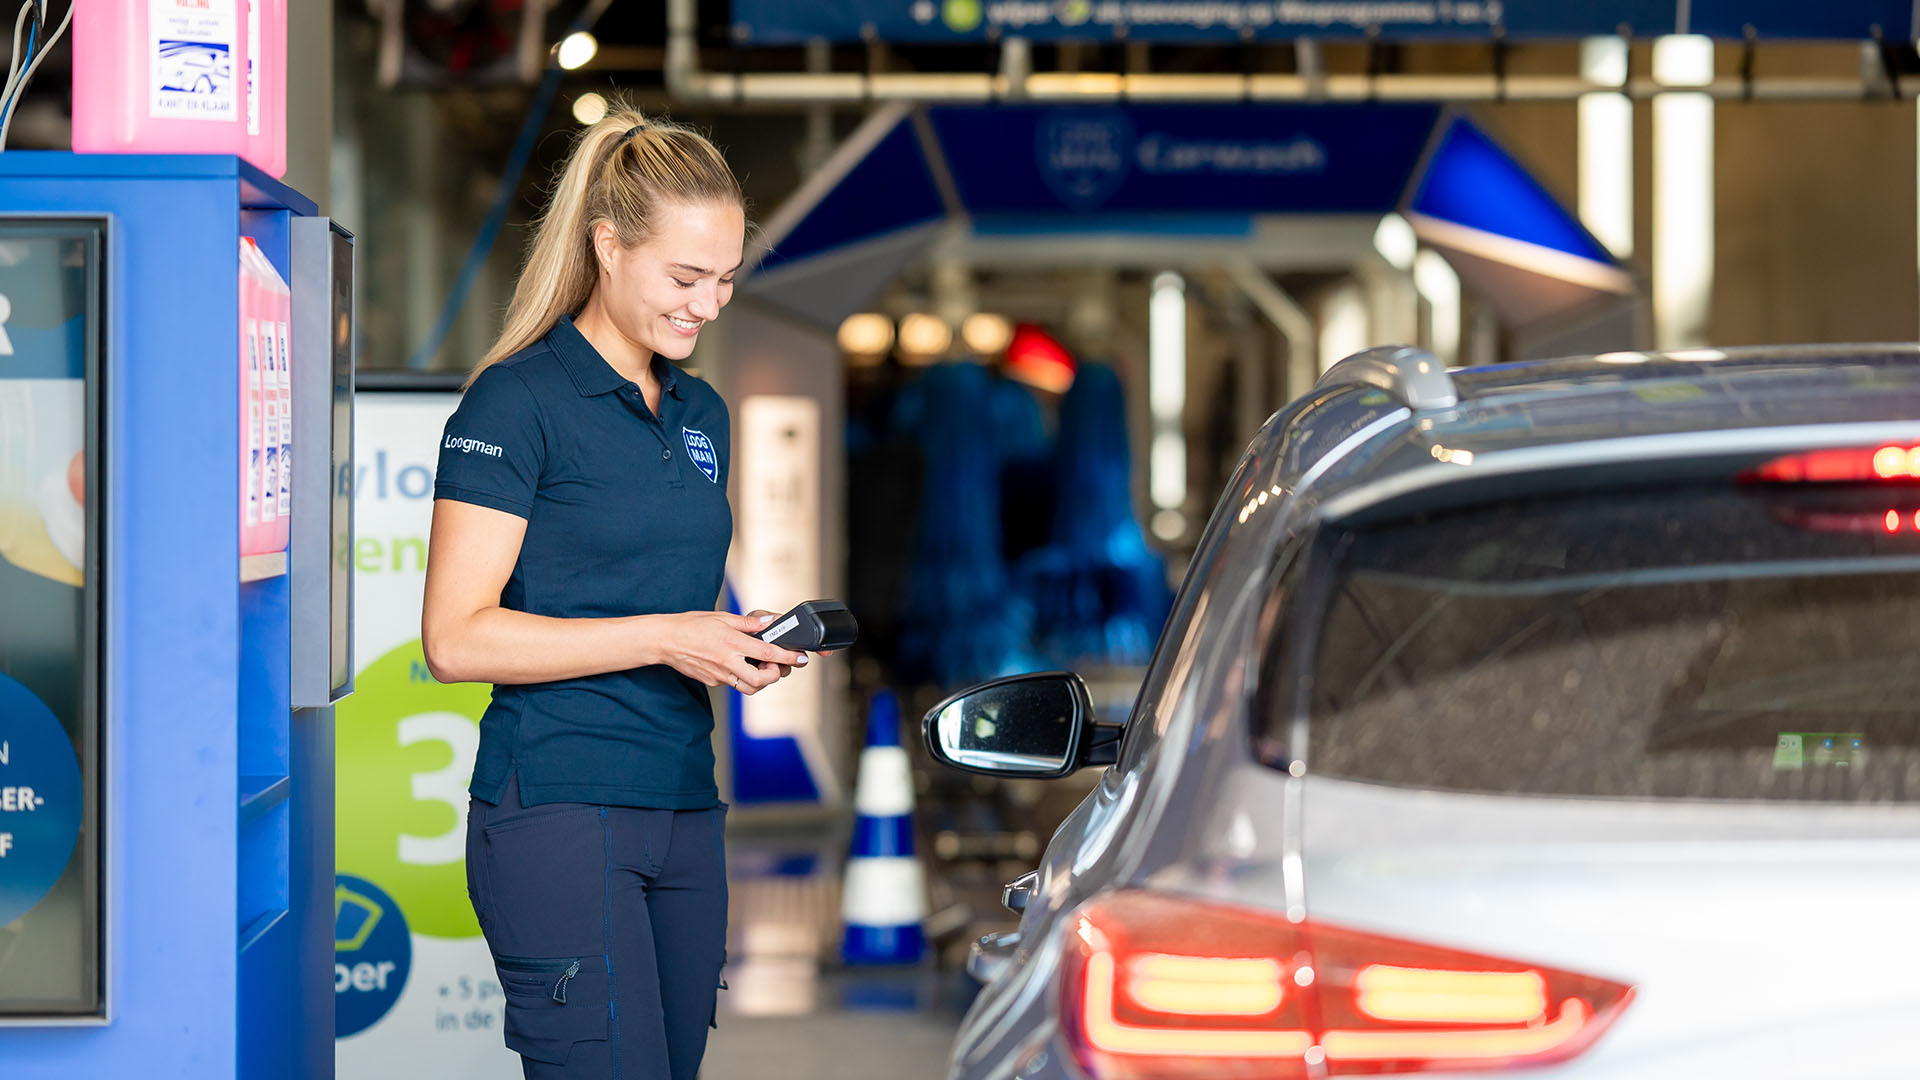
372,953
39,800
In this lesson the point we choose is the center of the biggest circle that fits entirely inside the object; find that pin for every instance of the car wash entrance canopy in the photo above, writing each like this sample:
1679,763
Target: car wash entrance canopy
1259,185
771,22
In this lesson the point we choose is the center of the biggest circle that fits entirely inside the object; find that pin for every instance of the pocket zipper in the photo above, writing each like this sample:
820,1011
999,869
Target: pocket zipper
532,966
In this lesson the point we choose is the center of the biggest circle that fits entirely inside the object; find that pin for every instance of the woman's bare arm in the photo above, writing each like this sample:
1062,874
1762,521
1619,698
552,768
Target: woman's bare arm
469,637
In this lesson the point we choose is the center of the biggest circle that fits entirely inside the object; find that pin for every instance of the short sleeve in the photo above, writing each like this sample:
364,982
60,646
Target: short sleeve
494,447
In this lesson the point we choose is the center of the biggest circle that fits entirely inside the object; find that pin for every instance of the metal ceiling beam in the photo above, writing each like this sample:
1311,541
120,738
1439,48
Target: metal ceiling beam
1016,81
851,88
1286,315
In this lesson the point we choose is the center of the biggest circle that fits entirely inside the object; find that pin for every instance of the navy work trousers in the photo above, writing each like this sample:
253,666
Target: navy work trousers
608,927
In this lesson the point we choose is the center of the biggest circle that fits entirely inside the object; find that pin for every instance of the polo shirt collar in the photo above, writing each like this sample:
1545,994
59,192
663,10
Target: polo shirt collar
590,371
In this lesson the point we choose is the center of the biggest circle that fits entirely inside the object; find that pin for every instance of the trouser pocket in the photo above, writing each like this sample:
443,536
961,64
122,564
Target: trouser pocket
554,1002
478,890
545,874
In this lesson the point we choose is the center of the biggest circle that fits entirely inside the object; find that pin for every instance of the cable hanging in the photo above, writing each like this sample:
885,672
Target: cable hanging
17,76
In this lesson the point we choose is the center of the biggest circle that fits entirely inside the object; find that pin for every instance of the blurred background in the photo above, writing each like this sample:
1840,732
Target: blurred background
1030,279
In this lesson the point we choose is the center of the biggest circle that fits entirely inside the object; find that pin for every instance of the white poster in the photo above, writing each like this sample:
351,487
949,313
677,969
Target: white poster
777,442
414,988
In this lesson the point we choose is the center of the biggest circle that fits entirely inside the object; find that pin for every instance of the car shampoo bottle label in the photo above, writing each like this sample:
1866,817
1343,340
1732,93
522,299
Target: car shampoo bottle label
191,52
270,432
254,434
283,336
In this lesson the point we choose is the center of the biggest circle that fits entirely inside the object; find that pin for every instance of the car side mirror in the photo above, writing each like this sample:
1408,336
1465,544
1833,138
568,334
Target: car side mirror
1034,727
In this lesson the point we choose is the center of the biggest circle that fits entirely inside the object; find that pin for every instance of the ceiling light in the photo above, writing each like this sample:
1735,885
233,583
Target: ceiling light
589,109
866,335
986,334
925,336
577,49
1396,243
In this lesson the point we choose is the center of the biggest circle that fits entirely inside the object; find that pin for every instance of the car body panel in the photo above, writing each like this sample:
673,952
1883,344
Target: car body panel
1189,809
1727,918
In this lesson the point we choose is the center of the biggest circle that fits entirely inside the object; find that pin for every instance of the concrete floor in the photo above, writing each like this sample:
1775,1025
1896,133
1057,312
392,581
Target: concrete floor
791,1013
832,1045
791,1010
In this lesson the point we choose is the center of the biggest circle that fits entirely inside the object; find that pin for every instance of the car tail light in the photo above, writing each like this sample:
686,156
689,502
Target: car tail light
1889,522
1162,987
1846,466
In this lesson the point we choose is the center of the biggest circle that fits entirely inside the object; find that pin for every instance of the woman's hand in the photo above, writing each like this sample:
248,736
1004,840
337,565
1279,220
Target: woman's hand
766,617
718,649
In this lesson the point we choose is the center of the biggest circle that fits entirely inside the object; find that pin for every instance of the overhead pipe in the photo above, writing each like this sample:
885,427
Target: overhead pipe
687,81
1088,87
1286,315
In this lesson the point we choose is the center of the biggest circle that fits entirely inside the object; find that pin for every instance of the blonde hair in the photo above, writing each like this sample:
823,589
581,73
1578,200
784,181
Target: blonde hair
622,170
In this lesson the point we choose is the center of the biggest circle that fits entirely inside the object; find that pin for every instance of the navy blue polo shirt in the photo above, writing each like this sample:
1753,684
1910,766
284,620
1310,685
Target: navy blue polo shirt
626,514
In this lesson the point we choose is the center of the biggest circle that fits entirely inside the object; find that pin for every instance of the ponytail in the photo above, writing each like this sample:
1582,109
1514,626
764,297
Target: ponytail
621,171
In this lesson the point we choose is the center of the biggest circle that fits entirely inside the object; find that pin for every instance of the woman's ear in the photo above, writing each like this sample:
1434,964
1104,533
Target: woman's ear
606,245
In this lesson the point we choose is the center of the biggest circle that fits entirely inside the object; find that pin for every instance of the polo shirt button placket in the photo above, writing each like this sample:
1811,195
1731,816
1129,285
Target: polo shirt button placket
666,455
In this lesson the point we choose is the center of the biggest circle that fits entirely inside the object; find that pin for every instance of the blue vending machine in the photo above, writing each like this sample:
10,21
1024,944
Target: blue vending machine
166,720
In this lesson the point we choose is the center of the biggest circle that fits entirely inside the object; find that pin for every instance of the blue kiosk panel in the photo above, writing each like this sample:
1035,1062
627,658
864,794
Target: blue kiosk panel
216,856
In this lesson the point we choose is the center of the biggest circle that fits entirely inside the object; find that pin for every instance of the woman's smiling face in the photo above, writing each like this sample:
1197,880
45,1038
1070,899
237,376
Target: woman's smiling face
660,292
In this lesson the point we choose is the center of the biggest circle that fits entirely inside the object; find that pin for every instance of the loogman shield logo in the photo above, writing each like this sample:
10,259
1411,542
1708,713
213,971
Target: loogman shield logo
700,449
1084,154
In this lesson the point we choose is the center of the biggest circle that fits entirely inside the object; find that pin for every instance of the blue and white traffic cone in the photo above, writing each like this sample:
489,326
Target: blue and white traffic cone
885,896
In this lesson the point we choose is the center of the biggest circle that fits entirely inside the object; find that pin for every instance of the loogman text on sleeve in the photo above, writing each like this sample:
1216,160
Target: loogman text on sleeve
472,446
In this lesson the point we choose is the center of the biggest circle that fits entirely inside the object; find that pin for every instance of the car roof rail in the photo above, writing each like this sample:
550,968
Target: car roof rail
1413,376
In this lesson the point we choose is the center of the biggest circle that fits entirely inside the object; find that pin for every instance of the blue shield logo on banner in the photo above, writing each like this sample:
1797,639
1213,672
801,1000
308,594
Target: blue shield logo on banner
1084,154
700,449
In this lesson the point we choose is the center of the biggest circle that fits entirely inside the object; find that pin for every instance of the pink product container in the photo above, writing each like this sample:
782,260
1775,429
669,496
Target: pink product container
269,461
267,307
275,328
283,362
267,63
256,533
181,76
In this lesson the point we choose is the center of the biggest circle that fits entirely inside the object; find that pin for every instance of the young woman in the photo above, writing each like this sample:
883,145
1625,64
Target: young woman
580,532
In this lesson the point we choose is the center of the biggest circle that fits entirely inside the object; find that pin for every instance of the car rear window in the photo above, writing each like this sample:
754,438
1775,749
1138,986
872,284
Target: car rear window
1720,642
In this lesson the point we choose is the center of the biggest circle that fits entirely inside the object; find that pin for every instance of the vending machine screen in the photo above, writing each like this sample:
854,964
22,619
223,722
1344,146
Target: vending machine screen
50,592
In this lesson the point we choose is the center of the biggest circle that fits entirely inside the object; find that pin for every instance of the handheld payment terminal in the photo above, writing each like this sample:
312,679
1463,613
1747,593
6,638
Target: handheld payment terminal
815,626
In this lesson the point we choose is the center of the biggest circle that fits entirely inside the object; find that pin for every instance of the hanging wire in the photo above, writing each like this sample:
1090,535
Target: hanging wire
26,76
19,58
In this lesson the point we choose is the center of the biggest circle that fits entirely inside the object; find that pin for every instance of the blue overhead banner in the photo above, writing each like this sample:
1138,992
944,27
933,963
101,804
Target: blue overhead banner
893,189
1189,169
1806,20
771,22
1176,159
1469,181
1212,173
1196,170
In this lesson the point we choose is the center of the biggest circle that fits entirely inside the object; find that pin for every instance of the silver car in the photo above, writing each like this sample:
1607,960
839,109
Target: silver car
1560,717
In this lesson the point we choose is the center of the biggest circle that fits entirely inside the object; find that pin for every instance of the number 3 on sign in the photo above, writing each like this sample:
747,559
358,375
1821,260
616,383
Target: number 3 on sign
448,785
